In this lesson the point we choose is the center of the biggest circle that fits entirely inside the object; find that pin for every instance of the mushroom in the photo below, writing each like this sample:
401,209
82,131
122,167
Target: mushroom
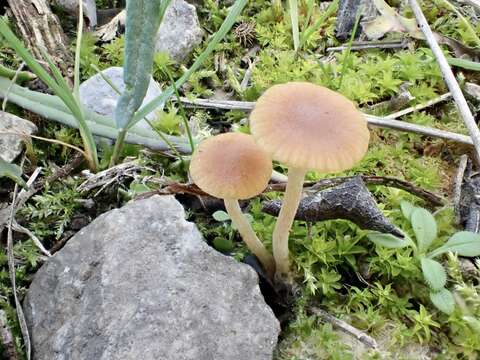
231,167
306,127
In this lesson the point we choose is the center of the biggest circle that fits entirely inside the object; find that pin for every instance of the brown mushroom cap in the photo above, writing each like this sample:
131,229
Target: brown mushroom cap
309,126
231,166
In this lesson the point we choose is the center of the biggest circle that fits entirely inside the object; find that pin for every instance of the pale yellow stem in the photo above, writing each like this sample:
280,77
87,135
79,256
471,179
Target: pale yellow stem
291,199
249,236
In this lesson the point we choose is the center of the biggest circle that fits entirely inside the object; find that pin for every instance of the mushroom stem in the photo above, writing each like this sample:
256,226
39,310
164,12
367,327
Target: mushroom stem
249,236
291,199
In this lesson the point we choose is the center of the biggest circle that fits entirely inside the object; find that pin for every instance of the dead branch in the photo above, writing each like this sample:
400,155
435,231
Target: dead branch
351,200
372,120
40,28
173,188
449,77
12,273
112,175
345,327
418,107
365,45
457,186
426,195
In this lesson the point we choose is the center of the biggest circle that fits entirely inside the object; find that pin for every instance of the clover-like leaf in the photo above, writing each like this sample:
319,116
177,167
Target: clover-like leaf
11,171
407,209
221,216
465,243
433,273
387,240
443,300
425,228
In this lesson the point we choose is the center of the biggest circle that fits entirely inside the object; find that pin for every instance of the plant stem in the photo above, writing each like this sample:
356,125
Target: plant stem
165,139
118,147
182,110
285,219
249,236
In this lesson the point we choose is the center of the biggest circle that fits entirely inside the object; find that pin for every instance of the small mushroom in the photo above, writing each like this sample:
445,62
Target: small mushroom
233,167
307,127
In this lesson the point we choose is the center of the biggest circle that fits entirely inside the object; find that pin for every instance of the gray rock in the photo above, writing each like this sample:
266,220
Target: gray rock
89,9
11,145
140,283
97,95
180,30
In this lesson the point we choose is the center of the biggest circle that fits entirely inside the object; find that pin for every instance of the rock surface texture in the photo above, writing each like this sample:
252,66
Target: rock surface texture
180,30
89,9
11,144
97,95
140,283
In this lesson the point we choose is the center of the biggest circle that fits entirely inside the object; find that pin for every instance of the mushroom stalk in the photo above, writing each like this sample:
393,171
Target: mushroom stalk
249,236
291,200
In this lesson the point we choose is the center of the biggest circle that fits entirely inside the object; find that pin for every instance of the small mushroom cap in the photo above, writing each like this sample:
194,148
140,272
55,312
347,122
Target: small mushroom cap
309,126
231,166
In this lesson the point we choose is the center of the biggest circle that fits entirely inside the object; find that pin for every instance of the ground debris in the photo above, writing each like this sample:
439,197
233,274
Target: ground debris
350,200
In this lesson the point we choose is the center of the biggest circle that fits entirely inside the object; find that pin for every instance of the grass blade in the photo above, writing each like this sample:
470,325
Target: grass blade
293,7
463,63
332,8
21,51
58,85
76,72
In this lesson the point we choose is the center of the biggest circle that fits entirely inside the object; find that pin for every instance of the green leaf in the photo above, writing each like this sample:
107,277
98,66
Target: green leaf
221,215
235,10
22,76
293,7
465,243
473,322
443,300
143,20
425,228
407,209
463,63
433,273
223,245
11,171
387,240
52,108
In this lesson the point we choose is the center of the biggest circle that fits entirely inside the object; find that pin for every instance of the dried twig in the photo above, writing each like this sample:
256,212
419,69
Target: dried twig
449,77
60,173
105,178
248,74
418,107
6,339
54,141
12,273
418,129
426,195
372,120
457,186
346,328
364,45
19,228
350,200
429,197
